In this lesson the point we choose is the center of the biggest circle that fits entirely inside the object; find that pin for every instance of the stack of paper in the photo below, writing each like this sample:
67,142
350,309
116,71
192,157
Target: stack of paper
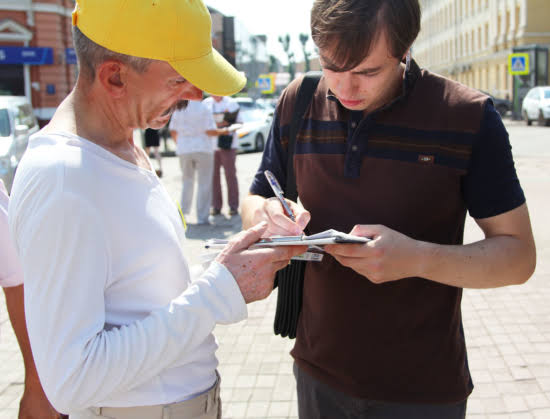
319,239
314,243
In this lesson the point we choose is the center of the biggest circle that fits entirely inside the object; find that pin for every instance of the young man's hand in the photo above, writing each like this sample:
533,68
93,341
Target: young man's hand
389,256
258,209
254,269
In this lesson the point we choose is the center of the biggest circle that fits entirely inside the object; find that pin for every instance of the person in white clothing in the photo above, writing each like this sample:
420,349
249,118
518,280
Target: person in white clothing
33,404
225,155
118,328
194,130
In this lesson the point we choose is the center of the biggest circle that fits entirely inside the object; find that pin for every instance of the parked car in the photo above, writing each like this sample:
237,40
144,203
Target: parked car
503,106
254,131
17,123
536,105
268,105
247,103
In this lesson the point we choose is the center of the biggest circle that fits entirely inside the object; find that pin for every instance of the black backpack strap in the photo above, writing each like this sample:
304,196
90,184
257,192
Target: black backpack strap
303,99
290,280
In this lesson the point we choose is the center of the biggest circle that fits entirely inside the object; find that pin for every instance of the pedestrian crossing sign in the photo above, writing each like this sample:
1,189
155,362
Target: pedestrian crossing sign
266,83
518,64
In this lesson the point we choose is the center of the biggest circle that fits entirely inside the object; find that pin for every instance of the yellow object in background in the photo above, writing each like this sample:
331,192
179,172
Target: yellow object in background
266,83
518,64
181,215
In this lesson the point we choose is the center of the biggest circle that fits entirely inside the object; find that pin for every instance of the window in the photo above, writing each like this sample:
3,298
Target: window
479,45
5,128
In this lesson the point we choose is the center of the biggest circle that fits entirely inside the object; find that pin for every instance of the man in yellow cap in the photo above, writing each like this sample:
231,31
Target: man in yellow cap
118,327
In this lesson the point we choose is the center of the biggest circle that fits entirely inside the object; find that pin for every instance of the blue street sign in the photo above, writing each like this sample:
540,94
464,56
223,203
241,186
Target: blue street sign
518,64
26,55
266,83
70,56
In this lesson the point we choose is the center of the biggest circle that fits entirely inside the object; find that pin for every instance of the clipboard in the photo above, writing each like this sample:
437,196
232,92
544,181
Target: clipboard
320,239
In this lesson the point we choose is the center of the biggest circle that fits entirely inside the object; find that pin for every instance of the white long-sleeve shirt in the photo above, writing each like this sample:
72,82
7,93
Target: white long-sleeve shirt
226,104
113,316
191,125
10,269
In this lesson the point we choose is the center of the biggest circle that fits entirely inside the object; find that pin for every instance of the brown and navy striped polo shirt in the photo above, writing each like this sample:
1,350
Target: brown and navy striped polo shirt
416,166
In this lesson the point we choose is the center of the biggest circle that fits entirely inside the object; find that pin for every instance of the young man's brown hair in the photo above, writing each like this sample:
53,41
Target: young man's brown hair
348,28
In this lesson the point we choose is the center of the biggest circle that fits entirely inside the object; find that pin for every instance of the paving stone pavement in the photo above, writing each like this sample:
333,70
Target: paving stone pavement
507,330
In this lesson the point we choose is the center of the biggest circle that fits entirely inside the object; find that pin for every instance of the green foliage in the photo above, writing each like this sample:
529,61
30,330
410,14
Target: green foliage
273,66
304,37
285,42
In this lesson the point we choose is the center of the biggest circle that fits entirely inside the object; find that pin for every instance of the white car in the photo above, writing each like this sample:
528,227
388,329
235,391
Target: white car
17,123
536,105
247,103
254,131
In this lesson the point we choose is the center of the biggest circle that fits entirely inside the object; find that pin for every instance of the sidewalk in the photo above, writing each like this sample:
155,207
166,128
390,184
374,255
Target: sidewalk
507,330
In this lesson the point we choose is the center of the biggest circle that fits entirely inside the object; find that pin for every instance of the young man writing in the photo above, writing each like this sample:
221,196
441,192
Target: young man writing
398,154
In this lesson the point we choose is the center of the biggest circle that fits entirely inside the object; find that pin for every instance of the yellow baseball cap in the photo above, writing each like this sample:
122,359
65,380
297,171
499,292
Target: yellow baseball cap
175,31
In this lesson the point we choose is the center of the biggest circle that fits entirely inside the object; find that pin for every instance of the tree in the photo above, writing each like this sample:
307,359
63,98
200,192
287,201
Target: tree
285,42
273,64
304,37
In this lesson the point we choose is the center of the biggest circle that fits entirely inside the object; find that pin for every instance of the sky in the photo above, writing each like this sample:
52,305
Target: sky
271,18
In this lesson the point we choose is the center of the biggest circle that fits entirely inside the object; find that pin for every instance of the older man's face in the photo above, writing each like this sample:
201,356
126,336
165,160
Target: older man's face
154,94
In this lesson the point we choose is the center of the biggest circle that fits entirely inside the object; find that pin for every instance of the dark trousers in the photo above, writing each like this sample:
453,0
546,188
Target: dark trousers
317,400
225,159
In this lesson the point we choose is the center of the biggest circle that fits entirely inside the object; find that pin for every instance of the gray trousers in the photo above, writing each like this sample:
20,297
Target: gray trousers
201,167
205,406
317,400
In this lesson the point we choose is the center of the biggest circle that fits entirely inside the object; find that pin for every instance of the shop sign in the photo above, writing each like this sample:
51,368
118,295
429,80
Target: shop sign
26,55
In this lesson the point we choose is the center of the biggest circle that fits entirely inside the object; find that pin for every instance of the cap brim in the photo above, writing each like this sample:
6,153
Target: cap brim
211,73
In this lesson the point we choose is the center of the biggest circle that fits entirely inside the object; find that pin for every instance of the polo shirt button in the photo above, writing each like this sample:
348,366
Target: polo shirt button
354,148
353,124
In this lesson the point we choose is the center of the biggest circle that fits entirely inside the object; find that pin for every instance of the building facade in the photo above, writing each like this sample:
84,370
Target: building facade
36,55
470,40
247,52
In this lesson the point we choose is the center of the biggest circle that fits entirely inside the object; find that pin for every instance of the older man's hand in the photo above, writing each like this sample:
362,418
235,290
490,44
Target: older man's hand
254,269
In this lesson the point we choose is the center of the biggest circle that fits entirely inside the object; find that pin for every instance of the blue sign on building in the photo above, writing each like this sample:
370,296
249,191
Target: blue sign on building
70,56
26,55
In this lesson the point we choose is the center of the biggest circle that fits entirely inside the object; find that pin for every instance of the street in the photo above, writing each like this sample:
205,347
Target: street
507,330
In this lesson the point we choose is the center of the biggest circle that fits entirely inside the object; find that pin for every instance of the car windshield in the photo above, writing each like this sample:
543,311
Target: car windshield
546,93
253,115
4,123
246,104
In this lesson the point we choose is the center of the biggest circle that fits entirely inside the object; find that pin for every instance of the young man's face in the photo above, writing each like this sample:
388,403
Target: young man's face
156,93
370,85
